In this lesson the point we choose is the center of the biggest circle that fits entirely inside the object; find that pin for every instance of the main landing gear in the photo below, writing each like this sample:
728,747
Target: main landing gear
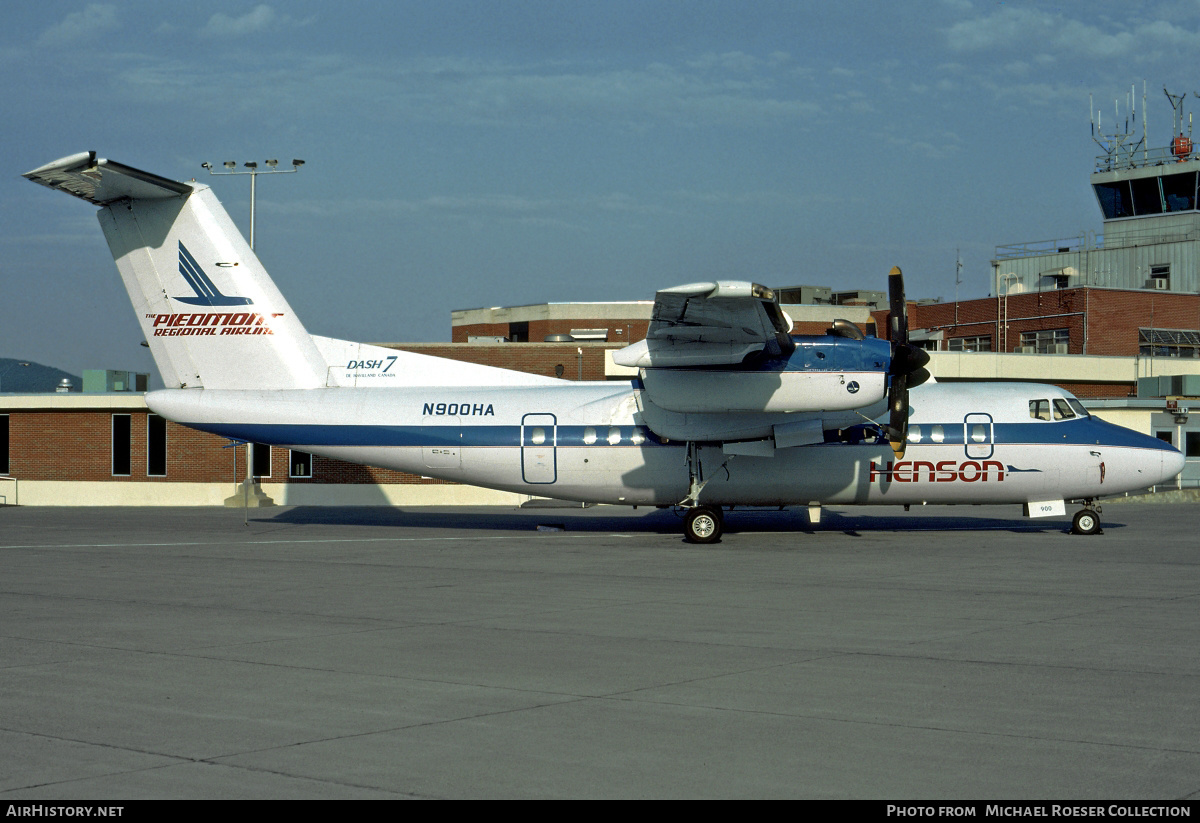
1087,520
703,524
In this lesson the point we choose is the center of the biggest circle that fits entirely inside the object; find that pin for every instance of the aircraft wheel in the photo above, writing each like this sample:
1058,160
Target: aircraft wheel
1086,522
702,525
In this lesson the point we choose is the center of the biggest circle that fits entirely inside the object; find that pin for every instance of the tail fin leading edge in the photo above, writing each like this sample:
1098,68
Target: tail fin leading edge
210,312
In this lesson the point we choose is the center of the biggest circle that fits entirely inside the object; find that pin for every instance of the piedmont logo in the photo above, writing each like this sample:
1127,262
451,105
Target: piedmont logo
211,324
208,324
207,293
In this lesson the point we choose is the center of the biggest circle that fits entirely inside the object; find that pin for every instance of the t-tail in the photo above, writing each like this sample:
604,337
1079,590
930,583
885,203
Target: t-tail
211,315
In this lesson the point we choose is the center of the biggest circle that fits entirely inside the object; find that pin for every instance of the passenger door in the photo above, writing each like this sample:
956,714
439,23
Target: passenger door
978,435
539,446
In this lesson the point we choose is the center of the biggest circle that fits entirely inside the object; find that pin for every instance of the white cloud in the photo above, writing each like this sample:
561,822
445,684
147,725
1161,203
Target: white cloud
94,20
260,18
1041,33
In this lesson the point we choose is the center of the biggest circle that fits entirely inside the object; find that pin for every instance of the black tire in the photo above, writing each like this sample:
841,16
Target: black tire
1086,522
703,525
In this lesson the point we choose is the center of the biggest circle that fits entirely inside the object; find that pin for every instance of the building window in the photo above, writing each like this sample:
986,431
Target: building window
300,464
1160,278
1191,444
122,445
1168,343
156,446
1166,436
1179,191
1045,341
1115,199
983,343
260,461
3,444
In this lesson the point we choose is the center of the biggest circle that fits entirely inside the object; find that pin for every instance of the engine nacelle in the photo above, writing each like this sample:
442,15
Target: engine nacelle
734,390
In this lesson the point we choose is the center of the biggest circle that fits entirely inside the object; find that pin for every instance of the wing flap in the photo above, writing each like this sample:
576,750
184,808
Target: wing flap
714,323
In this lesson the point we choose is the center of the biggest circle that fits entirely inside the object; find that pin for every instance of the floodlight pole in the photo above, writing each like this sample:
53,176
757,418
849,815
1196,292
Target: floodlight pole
260,498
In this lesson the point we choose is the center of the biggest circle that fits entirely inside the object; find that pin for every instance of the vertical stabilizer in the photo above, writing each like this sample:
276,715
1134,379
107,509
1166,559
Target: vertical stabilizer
210,312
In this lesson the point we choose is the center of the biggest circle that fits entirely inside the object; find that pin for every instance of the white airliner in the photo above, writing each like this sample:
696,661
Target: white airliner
729,409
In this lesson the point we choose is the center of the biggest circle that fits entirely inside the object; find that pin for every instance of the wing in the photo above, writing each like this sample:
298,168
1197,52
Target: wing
710,324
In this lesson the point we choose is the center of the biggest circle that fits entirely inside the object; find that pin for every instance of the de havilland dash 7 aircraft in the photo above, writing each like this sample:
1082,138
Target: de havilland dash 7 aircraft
728,409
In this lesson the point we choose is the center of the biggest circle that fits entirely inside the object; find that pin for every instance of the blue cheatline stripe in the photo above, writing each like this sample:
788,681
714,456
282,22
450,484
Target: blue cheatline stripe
464,436
1064,433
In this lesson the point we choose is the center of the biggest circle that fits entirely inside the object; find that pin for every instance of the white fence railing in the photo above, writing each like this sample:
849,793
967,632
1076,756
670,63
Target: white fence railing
8,494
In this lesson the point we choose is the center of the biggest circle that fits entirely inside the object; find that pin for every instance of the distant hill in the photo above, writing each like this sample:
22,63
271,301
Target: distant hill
33,378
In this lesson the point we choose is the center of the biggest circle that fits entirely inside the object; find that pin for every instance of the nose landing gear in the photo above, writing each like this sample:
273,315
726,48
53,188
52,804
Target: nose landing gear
1087,520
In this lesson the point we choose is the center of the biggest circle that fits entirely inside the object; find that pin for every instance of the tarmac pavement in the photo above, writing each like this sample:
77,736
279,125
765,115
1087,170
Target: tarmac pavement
943,653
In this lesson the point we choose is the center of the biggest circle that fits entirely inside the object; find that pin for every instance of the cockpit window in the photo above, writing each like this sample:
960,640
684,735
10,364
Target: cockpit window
1062,411
1078,407
1039,409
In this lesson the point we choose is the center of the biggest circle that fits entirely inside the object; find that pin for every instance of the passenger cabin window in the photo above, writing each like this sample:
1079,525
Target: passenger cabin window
1039,409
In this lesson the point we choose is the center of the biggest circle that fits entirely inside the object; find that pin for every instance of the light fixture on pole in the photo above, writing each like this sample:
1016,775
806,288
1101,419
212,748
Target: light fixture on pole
254,172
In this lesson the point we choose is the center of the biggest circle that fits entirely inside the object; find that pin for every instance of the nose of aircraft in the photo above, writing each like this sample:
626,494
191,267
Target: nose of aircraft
1172,465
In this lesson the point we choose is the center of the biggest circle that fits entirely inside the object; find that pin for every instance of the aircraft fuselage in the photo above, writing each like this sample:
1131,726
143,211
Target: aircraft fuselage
589,442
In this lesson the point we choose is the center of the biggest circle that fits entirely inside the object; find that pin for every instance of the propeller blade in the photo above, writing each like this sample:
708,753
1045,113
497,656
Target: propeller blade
897,308
907,366
897,430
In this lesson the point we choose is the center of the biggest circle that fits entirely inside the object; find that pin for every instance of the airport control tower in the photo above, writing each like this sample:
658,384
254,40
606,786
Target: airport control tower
1148,198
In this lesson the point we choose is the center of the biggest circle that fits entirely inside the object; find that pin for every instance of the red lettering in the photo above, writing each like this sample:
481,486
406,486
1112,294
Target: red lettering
947,471
999,469
962,472
877,471
920,464
901,473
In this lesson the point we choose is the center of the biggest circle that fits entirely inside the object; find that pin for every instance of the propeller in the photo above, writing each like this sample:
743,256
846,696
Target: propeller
907,368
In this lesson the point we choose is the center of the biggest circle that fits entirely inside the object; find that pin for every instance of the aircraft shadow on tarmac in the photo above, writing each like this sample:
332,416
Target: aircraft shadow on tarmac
664,521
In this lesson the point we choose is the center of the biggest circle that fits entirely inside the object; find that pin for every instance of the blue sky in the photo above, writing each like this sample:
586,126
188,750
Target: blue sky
464,154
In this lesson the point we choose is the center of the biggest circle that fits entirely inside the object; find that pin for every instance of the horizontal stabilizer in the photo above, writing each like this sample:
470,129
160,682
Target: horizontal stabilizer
102,181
